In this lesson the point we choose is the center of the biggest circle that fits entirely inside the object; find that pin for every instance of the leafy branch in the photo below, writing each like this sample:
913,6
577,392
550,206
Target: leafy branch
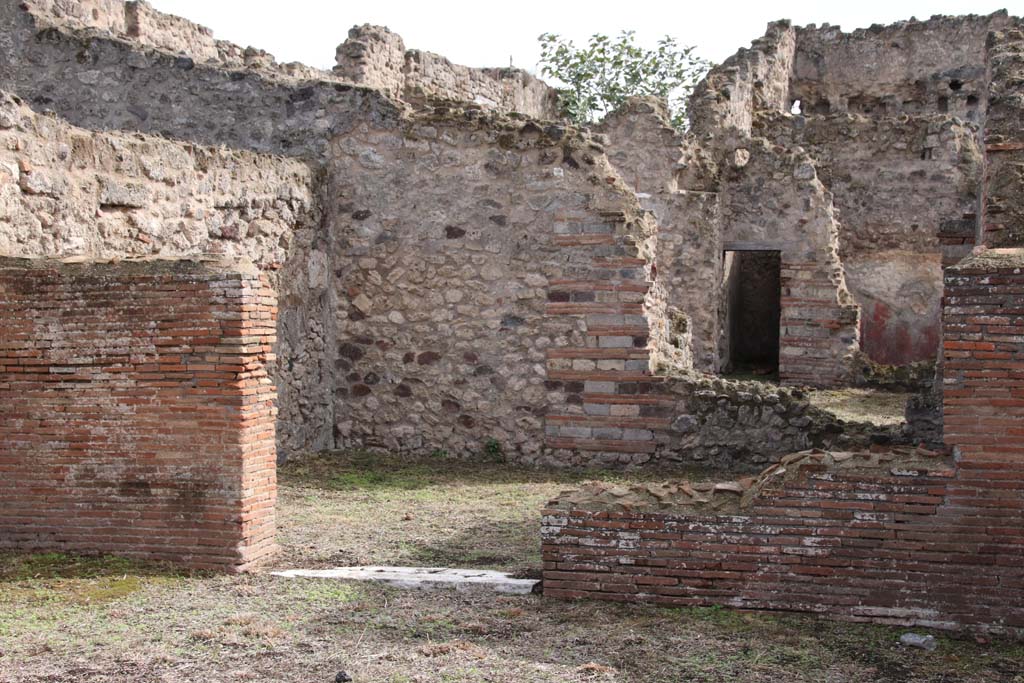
598,78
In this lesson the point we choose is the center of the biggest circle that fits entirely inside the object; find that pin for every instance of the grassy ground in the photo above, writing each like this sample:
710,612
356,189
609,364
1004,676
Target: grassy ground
65,619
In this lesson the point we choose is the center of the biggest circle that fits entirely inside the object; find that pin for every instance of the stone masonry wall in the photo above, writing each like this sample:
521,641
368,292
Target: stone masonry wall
136,411
256,107
374,56
104,15
933,66
473,277
773,200
71,192
501,284
906,190
648,153
441,226
138,22
902,163
741,194
66,192
1003,223
905,537
168,32
752,80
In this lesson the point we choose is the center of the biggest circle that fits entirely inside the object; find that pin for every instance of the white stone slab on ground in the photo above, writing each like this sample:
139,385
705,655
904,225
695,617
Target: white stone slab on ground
423,578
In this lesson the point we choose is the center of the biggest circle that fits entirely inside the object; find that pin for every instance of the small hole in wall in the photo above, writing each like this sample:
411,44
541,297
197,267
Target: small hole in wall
795,109
943,104
955,85
972,100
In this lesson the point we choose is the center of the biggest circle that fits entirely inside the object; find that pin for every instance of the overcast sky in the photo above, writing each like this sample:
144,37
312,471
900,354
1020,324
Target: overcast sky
488,33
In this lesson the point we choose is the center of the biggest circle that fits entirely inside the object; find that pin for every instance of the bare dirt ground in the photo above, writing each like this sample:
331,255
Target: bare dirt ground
877,406
82,620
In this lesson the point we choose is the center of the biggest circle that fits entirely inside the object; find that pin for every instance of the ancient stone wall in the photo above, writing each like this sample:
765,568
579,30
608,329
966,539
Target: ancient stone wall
929,67
773,200
168,32
374,56
479,262
906,190
136,411
66,192
742,193
498,286
903,163
670,175
104,15
906,537
476,278
72,192
1004,143
257,107
752,80
138,22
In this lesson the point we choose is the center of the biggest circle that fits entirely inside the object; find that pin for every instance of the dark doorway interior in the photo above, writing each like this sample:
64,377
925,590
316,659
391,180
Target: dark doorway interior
753,291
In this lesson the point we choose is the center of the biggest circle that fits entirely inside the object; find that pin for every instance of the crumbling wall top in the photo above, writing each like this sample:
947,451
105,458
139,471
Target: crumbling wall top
732,497
138,22
376,56
752,80
932,66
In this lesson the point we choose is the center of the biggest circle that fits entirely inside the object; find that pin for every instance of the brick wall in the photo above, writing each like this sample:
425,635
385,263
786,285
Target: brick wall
906,537
607,406
136,414
818,329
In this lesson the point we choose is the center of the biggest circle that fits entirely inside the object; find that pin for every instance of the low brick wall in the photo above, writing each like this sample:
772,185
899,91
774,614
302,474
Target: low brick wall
136,413
907,536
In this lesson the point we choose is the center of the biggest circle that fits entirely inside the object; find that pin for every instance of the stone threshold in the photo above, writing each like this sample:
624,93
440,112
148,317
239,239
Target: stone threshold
423,578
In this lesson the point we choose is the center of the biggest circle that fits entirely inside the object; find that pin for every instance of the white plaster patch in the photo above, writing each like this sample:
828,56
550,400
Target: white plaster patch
426,578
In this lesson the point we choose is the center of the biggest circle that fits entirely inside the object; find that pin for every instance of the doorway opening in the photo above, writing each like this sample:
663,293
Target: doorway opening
752,303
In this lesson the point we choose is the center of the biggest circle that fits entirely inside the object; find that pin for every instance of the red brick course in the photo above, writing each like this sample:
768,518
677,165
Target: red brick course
136,412
939,544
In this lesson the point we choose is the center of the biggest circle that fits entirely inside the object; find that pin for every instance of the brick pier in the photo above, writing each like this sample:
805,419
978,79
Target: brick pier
136,413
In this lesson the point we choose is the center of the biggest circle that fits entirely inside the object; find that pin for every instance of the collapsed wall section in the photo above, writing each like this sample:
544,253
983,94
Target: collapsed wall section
905,537
136,410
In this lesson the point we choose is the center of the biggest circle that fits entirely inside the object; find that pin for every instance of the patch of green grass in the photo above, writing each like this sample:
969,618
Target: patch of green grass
29,566
320,592
59,578
493,450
